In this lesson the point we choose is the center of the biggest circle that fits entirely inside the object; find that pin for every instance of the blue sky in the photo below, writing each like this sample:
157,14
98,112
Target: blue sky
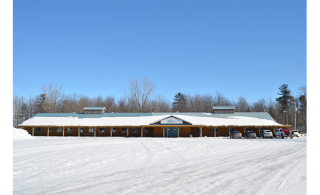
238,48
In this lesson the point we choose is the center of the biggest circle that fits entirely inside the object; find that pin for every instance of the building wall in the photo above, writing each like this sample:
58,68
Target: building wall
154,132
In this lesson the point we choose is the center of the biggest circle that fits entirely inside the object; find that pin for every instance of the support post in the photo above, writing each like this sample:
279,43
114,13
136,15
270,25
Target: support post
110,131
79,131
259,129
141,131
163,128
48,131
178,130
200,131
32,131
244,130
94,131
62,131
215,131
127,132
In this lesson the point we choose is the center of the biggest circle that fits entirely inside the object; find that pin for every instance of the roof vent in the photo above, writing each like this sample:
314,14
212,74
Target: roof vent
224,109
94,110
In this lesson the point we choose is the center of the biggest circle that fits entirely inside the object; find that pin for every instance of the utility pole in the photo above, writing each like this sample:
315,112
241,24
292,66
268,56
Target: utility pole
295,116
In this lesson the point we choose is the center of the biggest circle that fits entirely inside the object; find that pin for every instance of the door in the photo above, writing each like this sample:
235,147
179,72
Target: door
174,132
169,133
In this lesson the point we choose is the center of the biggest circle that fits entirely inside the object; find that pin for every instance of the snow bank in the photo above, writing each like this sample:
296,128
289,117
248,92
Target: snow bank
20,134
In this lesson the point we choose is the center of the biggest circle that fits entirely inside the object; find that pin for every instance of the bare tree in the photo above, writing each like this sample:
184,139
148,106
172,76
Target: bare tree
53,93
122,105
242,105
140,92
221,100
260,106
110,104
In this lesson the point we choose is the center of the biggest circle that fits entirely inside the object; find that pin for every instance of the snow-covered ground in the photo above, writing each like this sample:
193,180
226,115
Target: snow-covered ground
104,165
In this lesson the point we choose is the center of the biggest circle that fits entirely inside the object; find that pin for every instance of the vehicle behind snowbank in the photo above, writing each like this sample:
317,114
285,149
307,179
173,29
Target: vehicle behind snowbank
296,133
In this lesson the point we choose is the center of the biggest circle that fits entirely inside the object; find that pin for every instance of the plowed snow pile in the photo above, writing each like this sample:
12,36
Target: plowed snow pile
114,165
20,134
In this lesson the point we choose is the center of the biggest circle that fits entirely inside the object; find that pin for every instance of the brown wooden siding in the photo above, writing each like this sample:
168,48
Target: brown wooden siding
154,131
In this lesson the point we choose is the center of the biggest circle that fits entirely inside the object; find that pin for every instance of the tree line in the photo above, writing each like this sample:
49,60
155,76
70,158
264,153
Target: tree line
140,97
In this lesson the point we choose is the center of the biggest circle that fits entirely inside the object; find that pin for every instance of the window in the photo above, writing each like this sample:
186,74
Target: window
123,130
91,129
198,130
59,129
69,130
114,130
49,129
135,130
101,130
81,130
38,129
213,130
147,130
248,129
223,111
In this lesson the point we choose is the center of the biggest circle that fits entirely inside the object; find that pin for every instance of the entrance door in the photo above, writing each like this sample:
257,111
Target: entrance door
169,133
174,132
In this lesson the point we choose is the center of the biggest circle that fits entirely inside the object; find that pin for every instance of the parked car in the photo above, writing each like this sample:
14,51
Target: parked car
265,134
296,133
236,134
250,134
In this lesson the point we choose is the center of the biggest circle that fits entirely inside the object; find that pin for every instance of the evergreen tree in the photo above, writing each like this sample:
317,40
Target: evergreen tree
303,109
180,102
41,103
285,97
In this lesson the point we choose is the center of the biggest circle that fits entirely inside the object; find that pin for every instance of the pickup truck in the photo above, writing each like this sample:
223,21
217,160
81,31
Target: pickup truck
283,133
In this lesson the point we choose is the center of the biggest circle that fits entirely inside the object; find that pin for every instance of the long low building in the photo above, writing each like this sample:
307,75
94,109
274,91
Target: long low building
94,122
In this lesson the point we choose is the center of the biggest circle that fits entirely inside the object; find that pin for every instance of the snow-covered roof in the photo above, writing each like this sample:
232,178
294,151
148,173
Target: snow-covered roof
138,119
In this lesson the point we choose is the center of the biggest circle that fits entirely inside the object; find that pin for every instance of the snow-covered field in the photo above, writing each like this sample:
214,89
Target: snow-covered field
104,165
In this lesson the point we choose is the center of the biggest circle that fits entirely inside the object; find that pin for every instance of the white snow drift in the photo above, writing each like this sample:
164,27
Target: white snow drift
117,165
20,134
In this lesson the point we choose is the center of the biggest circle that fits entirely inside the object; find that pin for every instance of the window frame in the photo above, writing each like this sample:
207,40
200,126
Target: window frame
198,130
114,130
102,130
50,130
37,130
69,129
59,130
215,129
135,128
122,130
146,130
81,130
90,128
